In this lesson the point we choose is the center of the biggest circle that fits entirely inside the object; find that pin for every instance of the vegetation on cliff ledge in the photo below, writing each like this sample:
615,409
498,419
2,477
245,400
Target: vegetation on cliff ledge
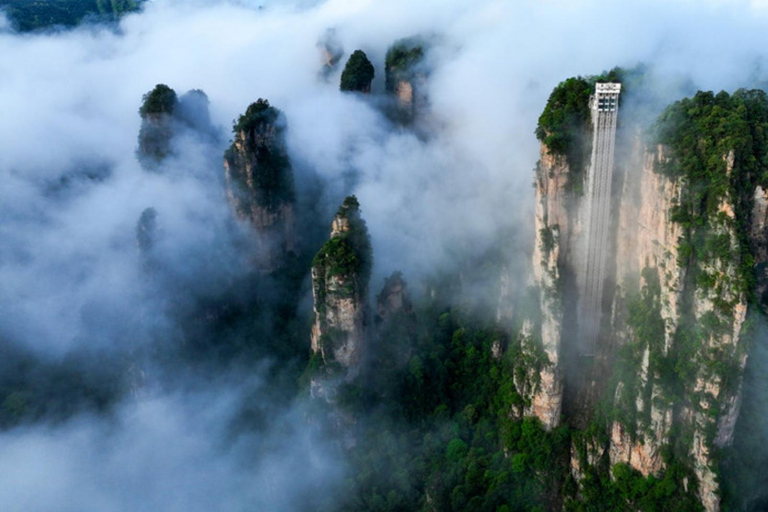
348,254
719,149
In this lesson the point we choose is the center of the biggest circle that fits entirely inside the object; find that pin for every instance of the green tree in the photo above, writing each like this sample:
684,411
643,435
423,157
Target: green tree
358,73
160,100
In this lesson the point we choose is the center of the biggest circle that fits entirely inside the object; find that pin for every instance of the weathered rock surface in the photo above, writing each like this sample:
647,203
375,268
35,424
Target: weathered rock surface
647,257
358,73
406,78
260,181
340,275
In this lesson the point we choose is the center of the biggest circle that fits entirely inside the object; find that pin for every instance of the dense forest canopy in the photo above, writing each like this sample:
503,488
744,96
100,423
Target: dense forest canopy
29,15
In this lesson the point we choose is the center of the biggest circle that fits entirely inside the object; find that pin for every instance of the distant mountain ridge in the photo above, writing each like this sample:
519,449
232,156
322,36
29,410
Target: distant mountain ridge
31,15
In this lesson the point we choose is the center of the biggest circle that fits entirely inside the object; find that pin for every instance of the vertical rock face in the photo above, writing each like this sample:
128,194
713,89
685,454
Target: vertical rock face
147,234
406,77
165,116
647,239
759,234
156,125
393,299
553,227
650,239
331,52
395,322
260,180
689,228
340,274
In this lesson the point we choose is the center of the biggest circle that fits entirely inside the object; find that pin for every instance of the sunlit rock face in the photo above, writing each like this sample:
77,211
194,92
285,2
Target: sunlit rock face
340,275
674,339
259,180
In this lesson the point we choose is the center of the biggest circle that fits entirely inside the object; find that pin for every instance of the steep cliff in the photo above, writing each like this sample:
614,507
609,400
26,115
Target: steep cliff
553,225
405,77
165,116
260,181
663,388
156,125
340,274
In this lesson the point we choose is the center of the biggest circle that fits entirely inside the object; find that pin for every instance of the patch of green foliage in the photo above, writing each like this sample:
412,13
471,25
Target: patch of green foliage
259,116
160,100
348,254
620,487
358,73
628,490
719,153
32,390
702,133
340,256
30,15
440,436
548,240
565,125
647,330
262,130
401,59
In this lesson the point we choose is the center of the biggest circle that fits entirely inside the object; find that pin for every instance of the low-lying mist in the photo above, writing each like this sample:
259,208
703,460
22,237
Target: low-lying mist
77,301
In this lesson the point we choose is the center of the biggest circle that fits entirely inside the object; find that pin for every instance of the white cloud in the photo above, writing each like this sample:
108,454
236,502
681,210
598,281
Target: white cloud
69,271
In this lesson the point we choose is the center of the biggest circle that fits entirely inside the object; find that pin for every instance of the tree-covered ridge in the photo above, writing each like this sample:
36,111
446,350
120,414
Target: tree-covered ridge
29,15
260,139
358,73
401,59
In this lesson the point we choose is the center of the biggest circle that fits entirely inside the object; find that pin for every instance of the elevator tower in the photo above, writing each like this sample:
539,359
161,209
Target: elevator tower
604,107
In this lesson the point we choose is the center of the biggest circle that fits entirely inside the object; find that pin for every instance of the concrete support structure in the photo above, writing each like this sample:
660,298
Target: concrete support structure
604,106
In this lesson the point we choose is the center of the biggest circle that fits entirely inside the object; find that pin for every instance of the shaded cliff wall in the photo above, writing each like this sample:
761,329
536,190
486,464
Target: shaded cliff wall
260,183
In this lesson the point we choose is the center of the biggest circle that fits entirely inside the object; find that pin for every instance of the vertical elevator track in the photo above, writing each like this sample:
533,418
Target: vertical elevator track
604,106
